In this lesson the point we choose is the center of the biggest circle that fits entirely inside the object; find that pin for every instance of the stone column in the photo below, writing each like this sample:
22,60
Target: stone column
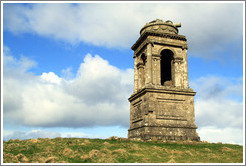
158,71
135,75
185,69
177,72
140,75
139,78
148,71
156,68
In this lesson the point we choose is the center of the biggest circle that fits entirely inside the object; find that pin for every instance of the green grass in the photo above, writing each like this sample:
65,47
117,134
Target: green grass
78,150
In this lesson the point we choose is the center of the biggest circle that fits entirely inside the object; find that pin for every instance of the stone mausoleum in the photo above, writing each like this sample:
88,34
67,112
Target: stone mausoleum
162,104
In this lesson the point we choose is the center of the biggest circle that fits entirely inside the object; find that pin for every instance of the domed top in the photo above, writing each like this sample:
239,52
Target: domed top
161,27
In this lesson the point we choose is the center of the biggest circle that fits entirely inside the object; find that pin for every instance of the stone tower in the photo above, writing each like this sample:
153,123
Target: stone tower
162,104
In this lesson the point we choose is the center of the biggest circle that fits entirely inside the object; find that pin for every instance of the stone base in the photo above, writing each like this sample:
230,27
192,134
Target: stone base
163,133
163,114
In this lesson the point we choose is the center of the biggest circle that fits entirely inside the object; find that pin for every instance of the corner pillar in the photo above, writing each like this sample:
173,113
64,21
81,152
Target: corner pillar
149,78
135,76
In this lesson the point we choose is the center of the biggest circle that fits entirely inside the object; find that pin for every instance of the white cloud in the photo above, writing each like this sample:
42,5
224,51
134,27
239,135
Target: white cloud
221,114
215,87
97,96
77,135
23,64
51,78
34,134
225,135
219,109
219,101
209,27
67,73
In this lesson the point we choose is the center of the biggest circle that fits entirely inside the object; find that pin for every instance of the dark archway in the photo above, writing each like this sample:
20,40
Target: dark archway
142,69
166,66
143,58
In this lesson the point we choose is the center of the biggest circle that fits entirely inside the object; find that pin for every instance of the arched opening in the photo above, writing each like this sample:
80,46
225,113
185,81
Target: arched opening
143,58
166,66
142,69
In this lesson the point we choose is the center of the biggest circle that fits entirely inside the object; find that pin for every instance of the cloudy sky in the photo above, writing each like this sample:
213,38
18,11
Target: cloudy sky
68,68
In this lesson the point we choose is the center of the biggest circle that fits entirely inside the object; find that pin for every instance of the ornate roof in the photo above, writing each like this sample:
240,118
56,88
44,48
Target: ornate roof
161,27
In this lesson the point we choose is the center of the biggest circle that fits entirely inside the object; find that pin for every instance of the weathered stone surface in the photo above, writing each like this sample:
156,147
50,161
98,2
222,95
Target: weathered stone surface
162,104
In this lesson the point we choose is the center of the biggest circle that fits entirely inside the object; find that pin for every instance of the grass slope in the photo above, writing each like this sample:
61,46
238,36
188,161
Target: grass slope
78,150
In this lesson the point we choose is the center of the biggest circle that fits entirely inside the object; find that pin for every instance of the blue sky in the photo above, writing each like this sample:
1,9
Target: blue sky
68,68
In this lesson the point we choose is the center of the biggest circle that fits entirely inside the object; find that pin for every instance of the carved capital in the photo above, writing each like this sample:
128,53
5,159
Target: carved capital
178,60
140,65
156,58
148,41
185,47
156,55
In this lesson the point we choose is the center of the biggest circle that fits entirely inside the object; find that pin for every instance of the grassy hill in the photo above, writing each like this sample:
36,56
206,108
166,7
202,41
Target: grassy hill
78,150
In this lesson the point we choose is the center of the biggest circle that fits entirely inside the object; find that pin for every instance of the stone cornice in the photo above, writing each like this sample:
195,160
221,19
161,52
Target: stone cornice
166,126
150,33
139,49
188,92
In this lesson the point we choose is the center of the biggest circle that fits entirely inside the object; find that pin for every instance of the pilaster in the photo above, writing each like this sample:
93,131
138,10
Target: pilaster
135,76
149,78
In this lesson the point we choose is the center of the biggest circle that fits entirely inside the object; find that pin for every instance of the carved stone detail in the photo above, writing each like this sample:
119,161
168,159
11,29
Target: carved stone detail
140,65
178,60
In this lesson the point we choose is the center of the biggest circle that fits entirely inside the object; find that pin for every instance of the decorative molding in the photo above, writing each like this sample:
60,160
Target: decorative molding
169,90
156,55
170,117
140,64
164,35
178,60
143,45
166,126
170,100
137,120
140,49
160,25
137,102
